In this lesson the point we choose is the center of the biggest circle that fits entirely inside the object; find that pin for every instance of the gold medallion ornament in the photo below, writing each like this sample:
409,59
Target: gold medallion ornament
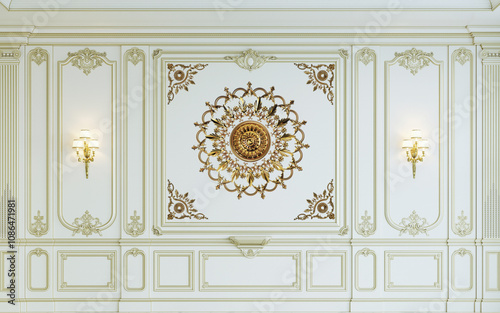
256,141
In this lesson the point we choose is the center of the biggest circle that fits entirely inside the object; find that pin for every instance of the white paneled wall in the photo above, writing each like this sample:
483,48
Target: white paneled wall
112,242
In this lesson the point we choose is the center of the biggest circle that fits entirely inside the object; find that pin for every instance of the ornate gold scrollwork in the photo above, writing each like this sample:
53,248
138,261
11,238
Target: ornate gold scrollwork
320,206
180,76
252,131
87,60
180,206
321,76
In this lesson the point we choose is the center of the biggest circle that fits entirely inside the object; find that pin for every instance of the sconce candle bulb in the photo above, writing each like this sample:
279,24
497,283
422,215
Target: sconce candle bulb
85,149
415,148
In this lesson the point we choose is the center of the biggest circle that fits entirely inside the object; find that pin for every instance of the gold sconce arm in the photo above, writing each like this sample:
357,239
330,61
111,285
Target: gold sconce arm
415,149
85,149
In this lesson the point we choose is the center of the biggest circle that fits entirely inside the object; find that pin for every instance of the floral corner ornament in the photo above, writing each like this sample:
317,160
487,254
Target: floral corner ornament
250,141
321,77
320,206
180,206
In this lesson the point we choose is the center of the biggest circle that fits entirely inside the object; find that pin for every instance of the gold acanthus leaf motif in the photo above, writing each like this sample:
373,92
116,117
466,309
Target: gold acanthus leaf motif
413,225
463,56
180,76
87,225
135,228
38,228
366,227
87,60
414,60
463,228
321,76
135,55
180,206
256,141
250,60
320,206
39,55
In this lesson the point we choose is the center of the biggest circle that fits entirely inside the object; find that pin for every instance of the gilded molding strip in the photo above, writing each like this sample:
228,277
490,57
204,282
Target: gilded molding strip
321,206
391,286
180,206
135,253
365,252
367,227
463,227
86,224
63,285
321,77
414,60
38,252
462,252
250,60
413,224
39,227
134,228
491,146
310,269
241,126
157,286
180,76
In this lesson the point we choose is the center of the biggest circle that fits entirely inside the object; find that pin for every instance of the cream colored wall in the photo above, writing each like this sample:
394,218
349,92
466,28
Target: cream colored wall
369,259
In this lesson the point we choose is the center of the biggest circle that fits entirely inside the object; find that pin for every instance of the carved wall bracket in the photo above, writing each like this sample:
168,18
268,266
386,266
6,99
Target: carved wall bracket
250,246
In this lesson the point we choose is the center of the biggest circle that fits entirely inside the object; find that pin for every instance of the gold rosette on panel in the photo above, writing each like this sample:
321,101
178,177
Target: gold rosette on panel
250,141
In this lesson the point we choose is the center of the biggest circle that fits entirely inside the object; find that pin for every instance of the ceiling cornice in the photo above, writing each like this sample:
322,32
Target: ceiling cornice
85,5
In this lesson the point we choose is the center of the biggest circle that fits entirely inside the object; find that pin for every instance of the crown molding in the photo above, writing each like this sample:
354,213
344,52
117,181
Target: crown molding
254,5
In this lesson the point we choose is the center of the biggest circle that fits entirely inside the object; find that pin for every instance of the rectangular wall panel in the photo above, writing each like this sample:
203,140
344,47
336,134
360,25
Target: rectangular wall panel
326,271
231,271
173,271
86,271
413,271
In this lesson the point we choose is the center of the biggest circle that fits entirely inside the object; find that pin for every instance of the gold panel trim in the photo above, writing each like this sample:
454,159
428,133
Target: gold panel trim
38,252
462,227
135,253
310,271
366,227
157,270
39,227
95,227
391,286
63,285
365,252
462,252
206,286
413,224
134,228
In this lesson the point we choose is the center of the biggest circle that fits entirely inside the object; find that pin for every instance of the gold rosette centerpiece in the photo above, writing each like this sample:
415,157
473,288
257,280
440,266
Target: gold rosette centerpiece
250,141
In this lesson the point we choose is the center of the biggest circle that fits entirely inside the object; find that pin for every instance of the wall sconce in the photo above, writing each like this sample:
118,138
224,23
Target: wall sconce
85,149
415,148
